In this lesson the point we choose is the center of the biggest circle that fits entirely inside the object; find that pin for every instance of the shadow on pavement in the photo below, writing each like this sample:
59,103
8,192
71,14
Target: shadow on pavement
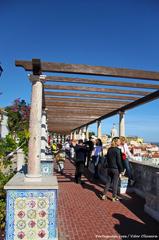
130,229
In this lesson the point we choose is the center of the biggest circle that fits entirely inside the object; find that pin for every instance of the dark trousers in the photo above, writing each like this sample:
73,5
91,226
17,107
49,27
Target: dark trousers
79,171
113,175
88,157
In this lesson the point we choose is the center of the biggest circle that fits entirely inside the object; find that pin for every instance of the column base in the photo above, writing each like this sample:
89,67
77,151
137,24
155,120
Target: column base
32,178
31,209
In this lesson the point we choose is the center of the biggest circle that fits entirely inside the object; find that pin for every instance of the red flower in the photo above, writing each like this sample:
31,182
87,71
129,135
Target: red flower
31,224
21,214
41,233
42,213
21,235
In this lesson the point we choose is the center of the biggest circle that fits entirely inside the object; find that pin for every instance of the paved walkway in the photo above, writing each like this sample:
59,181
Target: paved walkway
82,215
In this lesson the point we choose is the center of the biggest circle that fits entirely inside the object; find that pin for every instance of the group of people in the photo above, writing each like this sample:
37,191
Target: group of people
117,161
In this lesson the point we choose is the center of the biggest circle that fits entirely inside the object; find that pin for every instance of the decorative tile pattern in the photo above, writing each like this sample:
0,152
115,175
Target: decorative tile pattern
46,168
31,214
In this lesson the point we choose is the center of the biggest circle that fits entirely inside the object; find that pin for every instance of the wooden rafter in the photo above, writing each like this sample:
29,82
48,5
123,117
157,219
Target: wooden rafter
146,99
74,102
97,82
93,89
90,96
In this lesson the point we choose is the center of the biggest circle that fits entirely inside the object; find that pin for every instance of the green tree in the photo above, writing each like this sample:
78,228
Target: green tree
18,123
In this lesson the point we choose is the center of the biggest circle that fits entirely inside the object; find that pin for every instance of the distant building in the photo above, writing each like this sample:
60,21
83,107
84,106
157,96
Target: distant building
3,124
114,132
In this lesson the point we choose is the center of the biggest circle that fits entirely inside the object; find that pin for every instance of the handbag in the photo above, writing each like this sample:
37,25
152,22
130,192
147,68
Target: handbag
123,156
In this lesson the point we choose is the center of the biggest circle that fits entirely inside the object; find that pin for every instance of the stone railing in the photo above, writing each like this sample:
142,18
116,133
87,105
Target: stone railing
147,186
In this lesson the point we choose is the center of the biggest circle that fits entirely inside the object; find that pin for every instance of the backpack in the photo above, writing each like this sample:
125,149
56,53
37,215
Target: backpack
54,147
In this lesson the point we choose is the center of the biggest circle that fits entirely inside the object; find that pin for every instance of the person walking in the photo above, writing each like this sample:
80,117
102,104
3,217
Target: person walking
126,155
115,168
96,155
80,158
60,159
90,146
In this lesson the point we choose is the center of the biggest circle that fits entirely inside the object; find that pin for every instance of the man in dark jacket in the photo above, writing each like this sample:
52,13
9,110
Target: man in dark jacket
80,151
115,168
90,146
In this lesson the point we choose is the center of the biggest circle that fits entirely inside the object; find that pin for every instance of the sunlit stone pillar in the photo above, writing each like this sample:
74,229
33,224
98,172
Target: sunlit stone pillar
75,135
34,170
71,135
80,134
99,130
43,135
121,124
33,198
4,124
87,133
20,160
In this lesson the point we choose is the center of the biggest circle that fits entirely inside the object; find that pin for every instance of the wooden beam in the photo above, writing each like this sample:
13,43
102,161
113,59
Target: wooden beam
88,112
97,82
77,110
92,96
60,99
90,70
36,66
80,109
77,116
146,99
70,117
65,127
93,89
76,104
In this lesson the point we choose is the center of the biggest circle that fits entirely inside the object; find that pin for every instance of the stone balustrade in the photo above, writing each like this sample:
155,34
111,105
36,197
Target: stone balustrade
147,186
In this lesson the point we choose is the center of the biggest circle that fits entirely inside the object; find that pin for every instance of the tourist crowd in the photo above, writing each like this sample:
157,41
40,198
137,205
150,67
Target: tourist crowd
90,152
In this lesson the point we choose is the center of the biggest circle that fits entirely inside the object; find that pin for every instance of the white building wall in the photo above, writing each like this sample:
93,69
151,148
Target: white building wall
4,125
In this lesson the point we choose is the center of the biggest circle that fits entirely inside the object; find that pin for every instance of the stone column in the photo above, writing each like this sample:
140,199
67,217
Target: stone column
99,130
35,130
43,135
71,135
20,160
80,134
87,133
83,134
75,136
121,124
4,125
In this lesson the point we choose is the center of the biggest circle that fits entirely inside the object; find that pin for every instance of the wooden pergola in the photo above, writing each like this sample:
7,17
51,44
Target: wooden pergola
73,102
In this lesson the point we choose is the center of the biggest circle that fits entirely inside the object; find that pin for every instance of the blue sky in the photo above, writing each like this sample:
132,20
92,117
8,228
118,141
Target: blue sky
96,32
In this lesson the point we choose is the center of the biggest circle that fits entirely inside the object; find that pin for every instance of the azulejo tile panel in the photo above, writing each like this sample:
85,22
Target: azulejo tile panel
46,168
31,214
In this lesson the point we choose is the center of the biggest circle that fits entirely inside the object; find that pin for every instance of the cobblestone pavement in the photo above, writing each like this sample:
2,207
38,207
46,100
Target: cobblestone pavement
82,215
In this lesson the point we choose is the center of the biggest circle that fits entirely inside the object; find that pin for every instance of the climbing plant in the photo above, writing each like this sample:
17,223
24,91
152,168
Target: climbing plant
18,122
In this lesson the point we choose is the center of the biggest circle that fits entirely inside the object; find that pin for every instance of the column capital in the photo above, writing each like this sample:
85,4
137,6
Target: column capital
121,112
36,78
